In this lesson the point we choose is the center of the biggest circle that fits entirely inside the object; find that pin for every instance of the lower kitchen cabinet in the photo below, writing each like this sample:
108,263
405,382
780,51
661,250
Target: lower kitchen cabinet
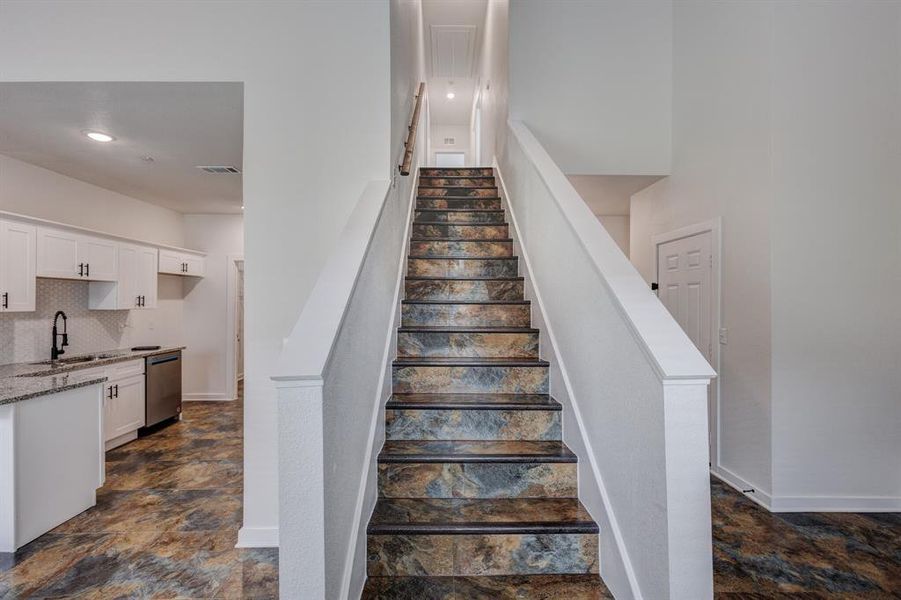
123,410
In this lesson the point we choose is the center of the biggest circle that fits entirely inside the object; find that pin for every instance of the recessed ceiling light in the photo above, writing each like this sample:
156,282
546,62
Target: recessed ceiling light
451,95
242,207
99,137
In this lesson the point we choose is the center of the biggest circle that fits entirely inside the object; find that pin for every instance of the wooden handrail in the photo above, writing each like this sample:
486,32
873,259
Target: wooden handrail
411,133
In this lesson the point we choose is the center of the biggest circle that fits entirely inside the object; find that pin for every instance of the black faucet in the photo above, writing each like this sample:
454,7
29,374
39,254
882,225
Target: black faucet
54,351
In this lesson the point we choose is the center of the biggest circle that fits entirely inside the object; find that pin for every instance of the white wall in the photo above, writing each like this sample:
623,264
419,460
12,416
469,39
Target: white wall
206,331
836,268
618,228
787,123
592,80
721,168
460,133
493,75
30,190
309,146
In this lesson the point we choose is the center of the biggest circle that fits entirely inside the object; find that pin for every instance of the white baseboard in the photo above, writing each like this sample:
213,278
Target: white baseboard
207,397
777,504
257,537
758,495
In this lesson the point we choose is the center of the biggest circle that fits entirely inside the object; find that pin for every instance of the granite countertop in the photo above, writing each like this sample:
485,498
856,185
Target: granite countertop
21,381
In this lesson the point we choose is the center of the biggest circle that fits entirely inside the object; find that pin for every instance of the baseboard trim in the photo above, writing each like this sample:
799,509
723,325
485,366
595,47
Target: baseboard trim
208,397
779,504
740,485
257,537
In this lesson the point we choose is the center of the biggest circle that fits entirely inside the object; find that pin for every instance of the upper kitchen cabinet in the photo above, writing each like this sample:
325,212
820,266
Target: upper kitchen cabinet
66,254
137,283
175,262
17,267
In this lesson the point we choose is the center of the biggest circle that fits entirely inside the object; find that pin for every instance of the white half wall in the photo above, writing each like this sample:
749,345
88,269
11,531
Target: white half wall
593,81
206,331
308,147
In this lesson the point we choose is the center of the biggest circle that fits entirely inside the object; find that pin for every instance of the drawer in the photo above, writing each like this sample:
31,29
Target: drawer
79,375
125,369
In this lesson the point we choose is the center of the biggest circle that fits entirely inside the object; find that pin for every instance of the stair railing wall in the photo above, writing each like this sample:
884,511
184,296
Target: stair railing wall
332,386
634,387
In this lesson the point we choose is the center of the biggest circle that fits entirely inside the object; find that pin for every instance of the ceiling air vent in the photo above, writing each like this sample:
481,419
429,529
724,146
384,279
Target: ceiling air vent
217,170
450,141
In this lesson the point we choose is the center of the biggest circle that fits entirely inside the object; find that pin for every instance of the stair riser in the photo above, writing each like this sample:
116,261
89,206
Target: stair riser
462,249
458,217
467,345
477,480
466,315
464,172
457,182
464,290
465,232
450,267
489,554
470,380
469,203
453,424
439,192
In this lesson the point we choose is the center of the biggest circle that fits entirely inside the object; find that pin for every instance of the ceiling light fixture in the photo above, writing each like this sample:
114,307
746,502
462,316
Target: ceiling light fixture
99,137
450,90
450,95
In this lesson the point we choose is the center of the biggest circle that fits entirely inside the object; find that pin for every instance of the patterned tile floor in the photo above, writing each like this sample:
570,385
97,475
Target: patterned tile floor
760,555
165,524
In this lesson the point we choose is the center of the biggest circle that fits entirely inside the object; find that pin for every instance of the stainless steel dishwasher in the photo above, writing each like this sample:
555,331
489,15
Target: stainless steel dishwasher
163,387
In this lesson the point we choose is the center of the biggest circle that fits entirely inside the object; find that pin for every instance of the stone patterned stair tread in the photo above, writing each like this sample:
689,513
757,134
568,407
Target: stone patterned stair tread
473,402
418,197
437,516
454,301
422,239
498,587
445,223
465,329
447,451
467,278
430,361
473,210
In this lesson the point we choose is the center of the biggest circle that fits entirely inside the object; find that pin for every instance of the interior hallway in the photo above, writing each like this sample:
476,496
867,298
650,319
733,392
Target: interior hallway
165,523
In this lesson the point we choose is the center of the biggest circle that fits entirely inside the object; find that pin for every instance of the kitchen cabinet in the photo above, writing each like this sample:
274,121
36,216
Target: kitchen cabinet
17,267
136,287
123,399
64,254
174,262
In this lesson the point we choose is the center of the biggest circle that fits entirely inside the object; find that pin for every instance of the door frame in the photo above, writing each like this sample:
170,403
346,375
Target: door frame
714,227
231,322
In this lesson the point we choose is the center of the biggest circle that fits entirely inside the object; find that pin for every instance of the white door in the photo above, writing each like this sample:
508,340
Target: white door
193,265
171,262
17,267
450,159
57,254
128,285
100,257
685,278
239,326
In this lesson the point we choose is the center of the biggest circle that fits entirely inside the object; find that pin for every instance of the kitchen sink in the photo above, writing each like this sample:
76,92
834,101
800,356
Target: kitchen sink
69,361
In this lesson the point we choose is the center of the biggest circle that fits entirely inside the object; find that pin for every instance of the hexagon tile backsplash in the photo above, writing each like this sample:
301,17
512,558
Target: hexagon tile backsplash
25,337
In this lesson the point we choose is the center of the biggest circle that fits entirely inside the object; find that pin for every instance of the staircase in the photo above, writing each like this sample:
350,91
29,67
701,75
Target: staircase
478,495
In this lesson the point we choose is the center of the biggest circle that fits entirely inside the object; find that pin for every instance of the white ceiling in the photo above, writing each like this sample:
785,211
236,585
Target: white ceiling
610,195
179,125
453,33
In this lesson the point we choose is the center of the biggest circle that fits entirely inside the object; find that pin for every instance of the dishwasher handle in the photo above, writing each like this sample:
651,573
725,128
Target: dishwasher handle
163,359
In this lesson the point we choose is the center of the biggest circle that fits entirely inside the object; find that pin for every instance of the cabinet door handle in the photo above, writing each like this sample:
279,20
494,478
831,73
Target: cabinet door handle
81,269
87,270
117,390
5,299
143,300
110,392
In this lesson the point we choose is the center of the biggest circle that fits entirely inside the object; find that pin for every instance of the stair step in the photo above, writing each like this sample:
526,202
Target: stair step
458,192
431,536
479,289
466,313
470,375
459,215
468,451
463,266
487,342
462,203
456,248
483,181
458,171
437,401
470,231
504,587
472,469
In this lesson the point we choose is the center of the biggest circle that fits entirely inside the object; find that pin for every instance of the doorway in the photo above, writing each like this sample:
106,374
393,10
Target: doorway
687,274
235,322
450,159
